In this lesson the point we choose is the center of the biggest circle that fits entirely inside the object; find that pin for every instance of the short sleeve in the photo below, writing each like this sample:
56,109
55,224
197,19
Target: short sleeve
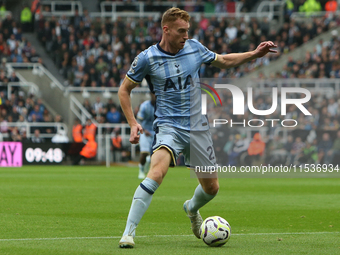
139,68
207,55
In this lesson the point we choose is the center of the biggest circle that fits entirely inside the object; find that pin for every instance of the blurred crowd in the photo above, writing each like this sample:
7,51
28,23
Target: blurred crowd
297,149
322,62
13,46
96,52
21,109
105,112
313,139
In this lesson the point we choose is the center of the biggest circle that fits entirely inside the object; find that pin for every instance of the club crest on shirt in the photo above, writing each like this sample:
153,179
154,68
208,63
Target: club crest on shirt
134,63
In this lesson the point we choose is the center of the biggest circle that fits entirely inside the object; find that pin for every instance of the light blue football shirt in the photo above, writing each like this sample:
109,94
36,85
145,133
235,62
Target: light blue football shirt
170,77
146,115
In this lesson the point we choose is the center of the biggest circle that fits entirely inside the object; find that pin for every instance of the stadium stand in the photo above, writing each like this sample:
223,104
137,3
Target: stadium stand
22,111
73,42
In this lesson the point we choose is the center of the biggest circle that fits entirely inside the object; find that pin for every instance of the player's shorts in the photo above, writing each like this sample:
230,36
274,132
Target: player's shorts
145,143
196,146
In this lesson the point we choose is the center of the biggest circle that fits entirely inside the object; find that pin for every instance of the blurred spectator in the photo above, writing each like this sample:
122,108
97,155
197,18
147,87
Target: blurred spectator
13,78
309,154
23,127
324,146
256,148
296,150
117,146
3,125
36,137
334,152
77,131
98,105
277,153
88,151
36,10
113,116
240,145
310,6
37,113
90,130
331,6
209,6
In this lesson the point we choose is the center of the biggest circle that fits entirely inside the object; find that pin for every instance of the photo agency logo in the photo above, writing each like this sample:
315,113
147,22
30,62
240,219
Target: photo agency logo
238,108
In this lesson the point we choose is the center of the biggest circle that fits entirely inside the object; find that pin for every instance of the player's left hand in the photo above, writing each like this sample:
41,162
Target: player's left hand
264,48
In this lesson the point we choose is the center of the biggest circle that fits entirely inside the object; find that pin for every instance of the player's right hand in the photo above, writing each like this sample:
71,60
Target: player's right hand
136,130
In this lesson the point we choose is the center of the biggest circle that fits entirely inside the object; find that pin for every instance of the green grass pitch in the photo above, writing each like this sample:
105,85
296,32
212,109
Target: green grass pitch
82,210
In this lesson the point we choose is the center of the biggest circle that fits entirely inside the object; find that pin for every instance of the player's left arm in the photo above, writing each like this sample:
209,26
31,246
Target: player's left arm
236,59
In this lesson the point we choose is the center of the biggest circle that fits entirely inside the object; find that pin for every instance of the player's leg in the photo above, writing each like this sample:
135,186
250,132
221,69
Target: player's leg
141,165
142,198
204,192
144,152
147,164
159,165
201,154
148,158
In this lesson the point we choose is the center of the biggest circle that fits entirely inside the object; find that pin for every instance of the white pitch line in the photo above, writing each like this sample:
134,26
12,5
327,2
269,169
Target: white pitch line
118,237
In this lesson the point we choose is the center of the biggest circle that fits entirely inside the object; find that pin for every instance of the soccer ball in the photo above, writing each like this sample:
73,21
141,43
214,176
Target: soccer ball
215,231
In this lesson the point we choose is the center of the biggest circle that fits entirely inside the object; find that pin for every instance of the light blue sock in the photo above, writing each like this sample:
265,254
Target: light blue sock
140,203
199,199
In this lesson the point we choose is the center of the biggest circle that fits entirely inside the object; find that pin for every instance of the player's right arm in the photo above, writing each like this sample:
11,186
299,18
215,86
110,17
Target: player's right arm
125,102
139,69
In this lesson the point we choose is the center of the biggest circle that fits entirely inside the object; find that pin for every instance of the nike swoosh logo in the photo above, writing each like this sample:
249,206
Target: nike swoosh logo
137,198
160,64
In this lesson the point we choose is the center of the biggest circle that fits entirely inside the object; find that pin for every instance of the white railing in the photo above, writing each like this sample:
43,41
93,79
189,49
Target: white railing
140,12
33,88
108,151
140,6
29,125
72,6
106,91
104,140
37,69
194,15
271,9
303,15
78,109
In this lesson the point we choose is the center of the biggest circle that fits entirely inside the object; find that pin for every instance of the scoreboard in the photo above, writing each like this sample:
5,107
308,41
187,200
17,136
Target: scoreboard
16,154
41,153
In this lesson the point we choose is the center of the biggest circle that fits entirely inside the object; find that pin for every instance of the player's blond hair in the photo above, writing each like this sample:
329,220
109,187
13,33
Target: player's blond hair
173,14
